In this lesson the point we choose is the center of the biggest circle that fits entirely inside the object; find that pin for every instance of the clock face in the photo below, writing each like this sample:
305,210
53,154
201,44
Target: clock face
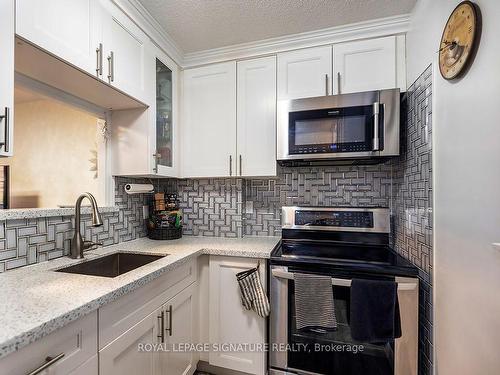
458,40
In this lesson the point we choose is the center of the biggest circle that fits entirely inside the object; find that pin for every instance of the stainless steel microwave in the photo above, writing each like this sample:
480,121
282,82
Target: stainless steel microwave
348,126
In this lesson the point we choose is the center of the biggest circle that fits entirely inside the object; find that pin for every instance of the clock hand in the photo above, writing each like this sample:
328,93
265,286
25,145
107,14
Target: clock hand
448,45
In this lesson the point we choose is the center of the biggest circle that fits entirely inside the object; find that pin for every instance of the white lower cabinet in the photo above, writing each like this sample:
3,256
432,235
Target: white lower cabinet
180,331
132,328
137,351
124,355
229,322
71,349
165,311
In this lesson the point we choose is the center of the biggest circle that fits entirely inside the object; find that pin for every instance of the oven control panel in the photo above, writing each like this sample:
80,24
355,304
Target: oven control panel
347,219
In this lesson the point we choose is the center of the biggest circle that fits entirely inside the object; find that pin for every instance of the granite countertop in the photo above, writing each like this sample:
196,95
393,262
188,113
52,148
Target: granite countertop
36,301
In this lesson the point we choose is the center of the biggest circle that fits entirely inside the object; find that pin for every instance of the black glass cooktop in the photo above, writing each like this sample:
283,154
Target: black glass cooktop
355,257
339,252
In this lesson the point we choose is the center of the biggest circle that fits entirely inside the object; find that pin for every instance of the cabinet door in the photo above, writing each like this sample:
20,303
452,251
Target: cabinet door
6,77
256,121
365,65
229,321
180,329
71,30
166,120
124,355
209,125
305,73
125,52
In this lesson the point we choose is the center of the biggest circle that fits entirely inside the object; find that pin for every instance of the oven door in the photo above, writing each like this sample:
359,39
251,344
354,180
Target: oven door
335,130
317,351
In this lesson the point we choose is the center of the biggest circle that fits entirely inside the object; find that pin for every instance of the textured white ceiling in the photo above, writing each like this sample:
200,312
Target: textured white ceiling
197,25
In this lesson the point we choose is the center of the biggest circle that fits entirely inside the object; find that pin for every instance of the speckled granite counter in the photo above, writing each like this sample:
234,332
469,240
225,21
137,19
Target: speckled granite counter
35,300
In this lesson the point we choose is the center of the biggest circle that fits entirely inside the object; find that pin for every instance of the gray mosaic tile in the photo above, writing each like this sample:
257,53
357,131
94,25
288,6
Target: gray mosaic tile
35,240
412,202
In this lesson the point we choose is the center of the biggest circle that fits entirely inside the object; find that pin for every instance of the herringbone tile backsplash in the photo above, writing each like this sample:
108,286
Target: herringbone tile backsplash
28,241
412,202
356,186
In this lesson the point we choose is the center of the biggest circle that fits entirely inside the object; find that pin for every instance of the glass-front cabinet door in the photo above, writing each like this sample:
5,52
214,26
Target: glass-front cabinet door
165,121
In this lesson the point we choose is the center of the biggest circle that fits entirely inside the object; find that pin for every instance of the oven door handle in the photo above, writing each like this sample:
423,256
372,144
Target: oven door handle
340,282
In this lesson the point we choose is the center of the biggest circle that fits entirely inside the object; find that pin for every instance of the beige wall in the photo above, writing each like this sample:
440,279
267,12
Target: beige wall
52,148
466,174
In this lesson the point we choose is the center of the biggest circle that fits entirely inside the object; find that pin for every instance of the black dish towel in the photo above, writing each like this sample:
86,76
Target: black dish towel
374,311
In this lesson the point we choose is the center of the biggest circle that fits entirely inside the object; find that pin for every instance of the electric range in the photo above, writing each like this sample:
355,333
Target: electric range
343,243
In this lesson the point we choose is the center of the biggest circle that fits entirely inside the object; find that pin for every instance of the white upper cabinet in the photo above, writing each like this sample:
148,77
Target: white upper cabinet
6,77
305,73
164,116
125,49
256,119
365,65
71,30
152,134
93,35
209,121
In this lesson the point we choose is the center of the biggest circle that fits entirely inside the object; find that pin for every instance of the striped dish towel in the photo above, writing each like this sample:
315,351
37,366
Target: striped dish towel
253,295
314,307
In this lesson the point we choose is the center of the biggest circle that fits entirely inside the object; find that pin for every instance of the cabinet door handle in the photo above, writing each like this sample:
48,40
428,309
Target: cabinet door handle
161,323
241,165
339,77
98,69
49,361
169,329
230,165
6,118
111,67
326,84
157,157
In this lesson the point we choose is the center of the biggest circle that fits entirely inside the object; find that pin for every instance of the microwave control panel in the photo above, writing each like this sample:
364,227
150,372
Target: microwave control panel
333,148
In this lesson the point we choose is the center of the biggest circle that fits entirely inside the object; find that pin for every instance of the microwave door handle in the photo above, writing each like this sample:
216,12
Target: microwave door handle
376,119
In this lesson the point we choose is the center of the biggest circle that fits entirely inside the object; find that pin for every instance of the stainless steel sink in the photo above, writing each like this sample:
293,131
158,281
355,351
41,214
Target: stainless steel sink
111,265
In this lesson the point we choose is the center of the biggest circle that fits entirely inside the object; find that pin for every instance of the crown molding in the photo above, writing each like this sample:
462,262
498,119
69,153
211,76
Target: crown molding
145,21
362,30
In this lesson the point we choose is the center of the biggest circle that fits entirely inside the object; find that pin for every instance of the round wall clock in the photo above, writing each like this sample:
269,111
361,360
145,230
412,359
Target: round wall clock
460,40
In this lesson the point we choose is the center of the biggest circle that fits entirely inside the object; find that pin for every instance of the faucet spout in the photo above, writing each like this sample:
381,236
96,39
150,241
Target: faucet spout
78,245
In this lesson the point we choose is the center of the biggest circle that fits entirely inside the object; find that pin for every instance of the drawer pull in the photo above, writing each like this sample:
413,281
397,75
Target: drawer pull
161,319
169,329
49,361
